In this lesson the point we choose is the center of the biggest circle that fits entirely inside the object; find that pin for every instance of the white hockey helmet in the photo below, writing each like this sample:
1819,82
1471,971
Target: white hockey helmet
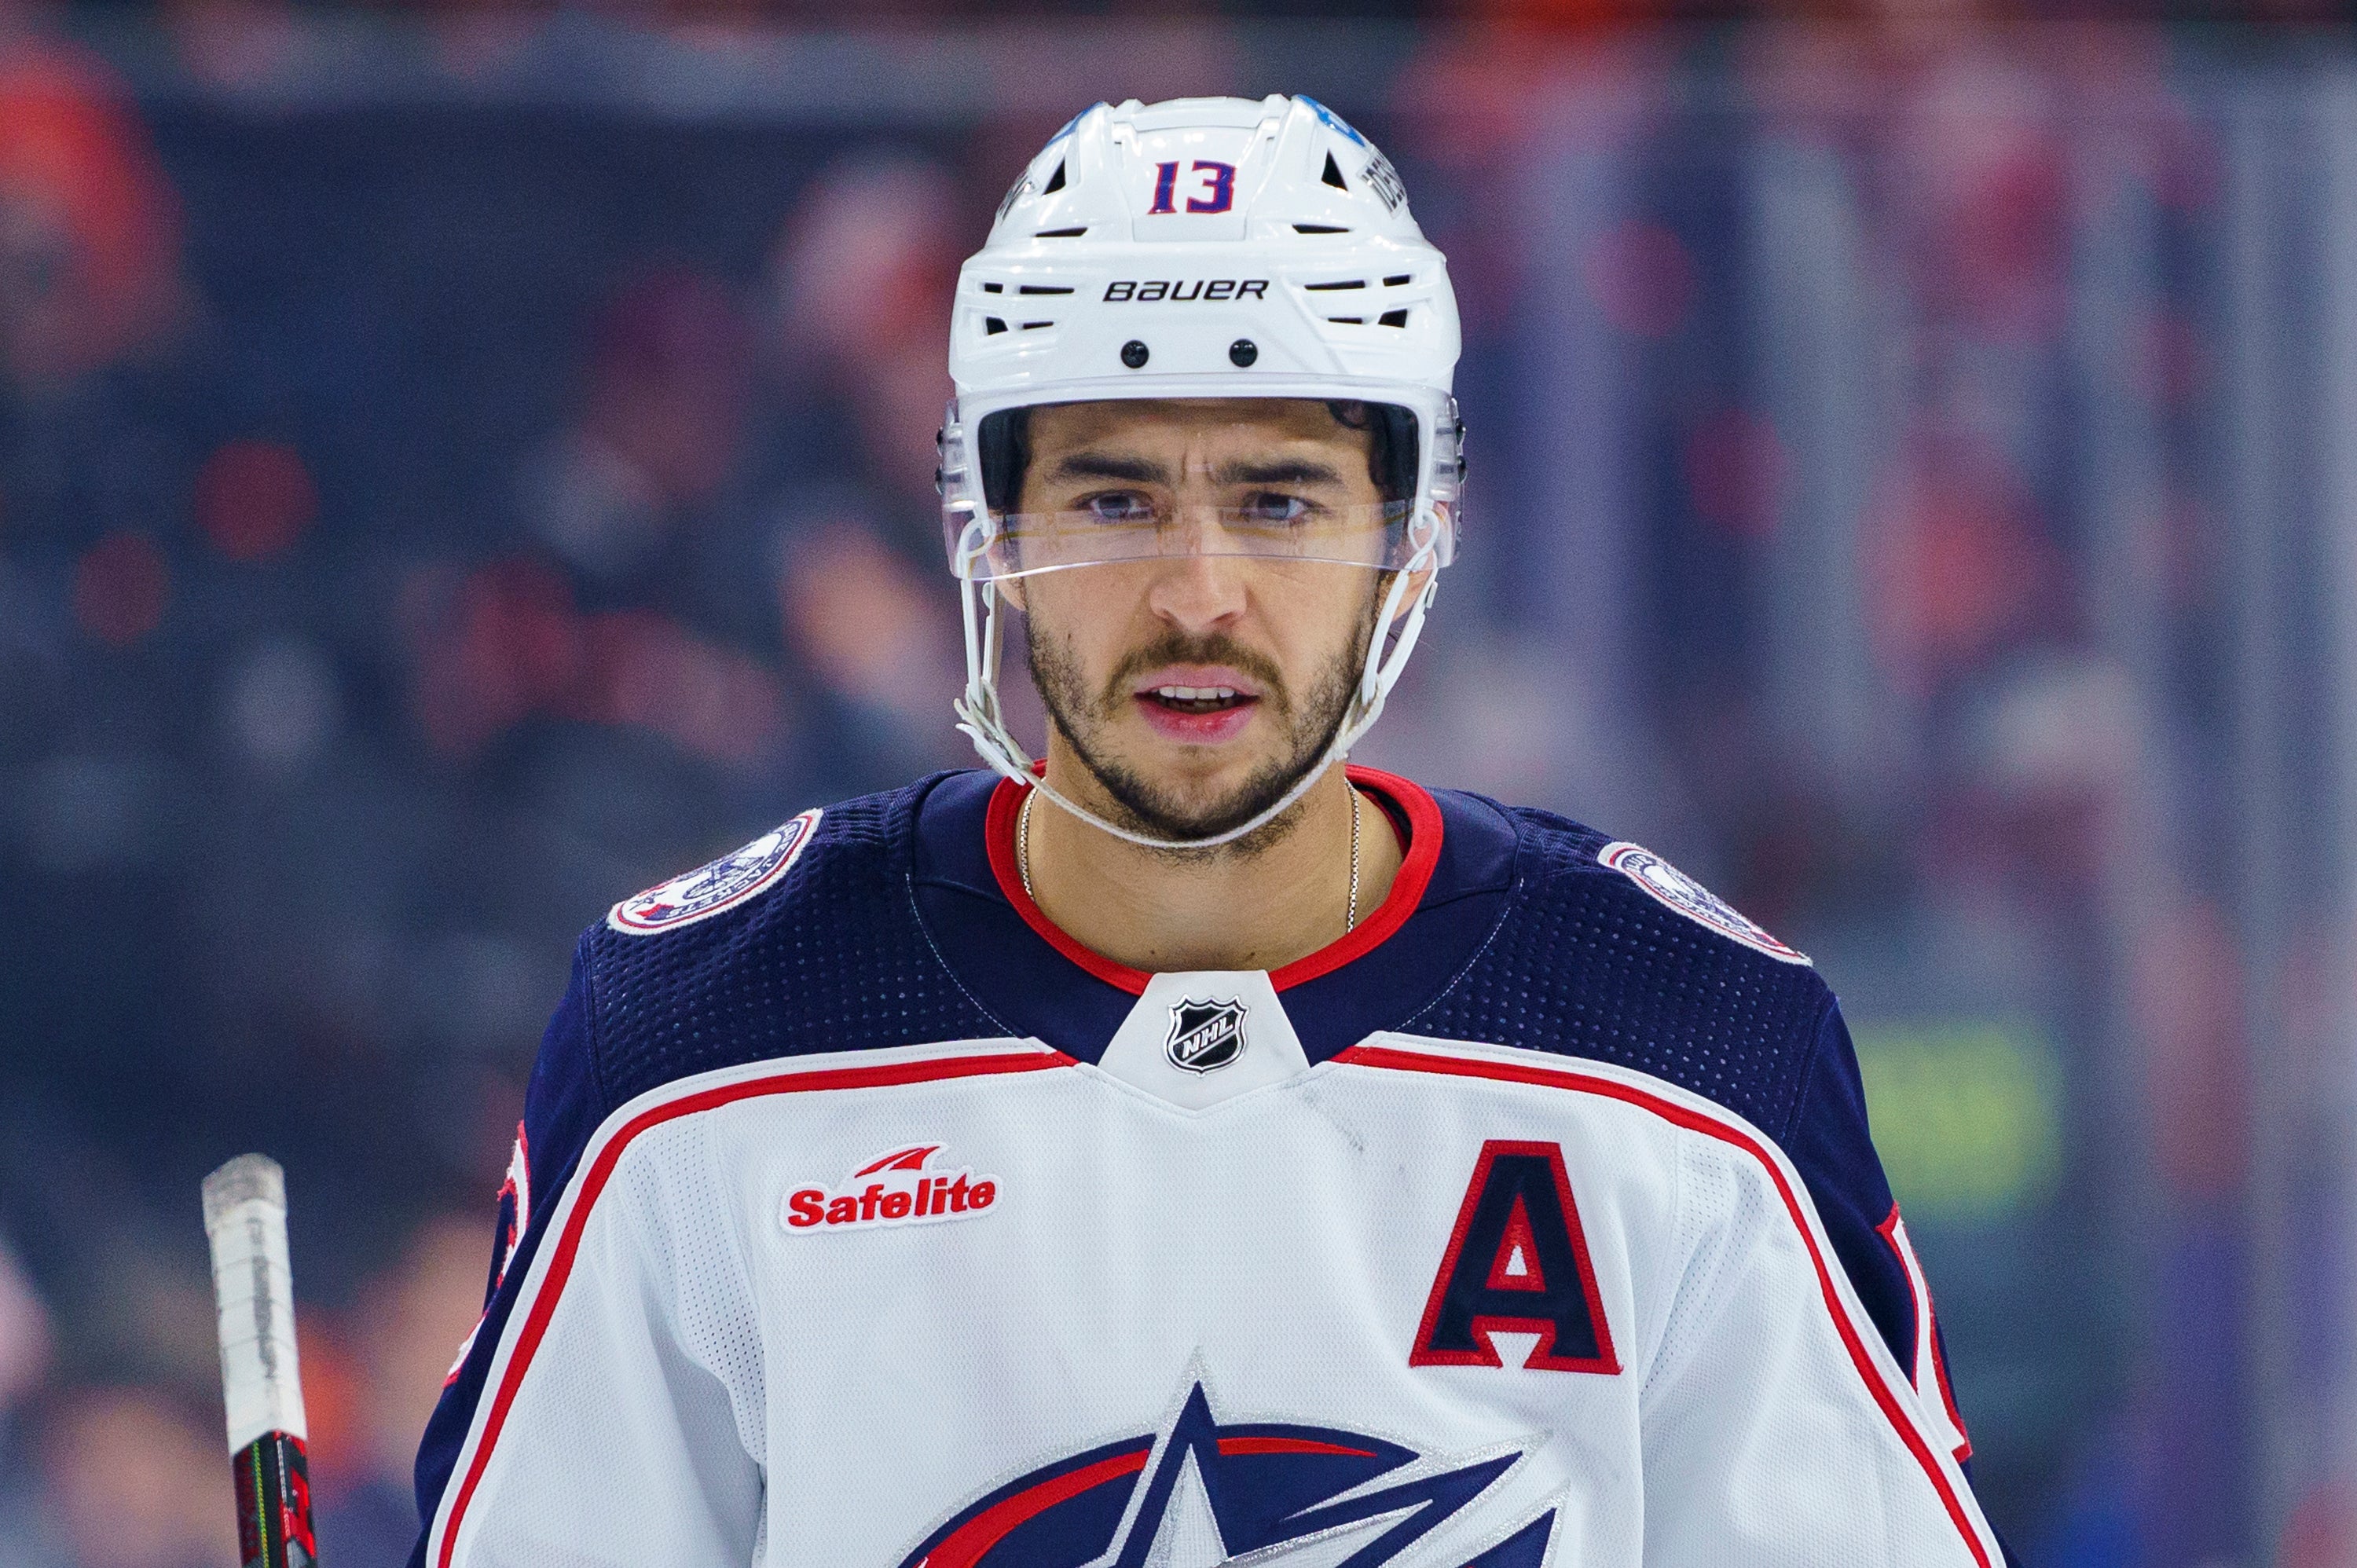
1201,247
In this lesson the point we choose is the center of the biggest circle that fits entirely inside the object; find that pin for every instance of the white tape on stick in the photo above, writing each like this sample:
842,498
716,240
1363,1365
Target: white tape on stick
245,1221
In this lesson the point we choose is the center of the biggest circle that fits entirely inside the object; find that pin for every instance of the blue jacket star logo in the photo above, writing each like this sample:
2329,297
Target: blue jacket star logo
1201,1493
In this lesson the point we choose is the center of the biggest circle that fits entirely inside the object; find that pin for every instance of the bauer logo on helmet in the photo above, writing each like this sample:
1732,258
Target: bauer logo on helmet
1179,291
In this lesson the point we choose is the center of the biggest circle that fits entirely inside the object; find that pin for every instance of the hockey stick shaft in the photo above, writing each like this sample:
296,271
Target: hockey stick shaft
261,1389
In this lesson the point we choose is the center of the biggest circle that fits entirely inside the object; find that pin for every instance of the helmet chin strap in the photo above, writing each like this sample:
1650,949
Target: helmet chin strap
980,717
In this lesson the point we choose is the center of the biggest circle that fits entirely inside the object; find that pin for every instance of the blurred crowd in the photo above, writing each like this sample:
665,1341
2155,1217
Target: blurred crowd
125,1464
424,520
339,689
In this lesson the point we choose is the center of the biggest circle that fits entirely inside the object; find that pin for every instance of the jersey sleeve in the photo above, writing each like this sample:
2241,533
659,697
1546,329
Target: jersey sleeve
1778,1428
1831,1147
563,1105
584,1423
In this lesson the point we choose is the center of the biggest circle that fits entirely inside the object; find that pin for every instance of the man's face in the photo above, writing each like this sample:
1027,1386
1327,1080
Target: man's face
1198,688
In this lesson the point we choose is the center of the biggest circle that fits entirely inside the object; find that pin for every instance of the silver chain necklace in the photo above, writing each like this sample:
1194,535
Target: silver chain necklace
1350,918
1023,855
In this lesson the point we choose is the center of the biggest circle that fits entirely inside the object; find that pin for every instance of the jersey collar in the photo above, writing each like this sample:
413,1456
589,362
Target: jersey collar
1035,979
1406,805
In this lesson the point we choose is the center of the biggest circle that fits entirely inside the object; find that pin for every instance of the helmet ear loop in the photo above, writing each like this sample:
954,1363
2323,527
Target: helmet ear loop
1410,596
978,712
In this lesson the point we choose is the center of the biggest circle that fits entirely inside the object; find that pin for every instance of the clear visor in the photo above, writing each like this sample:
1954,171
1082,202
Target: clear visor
1021,544
1275,478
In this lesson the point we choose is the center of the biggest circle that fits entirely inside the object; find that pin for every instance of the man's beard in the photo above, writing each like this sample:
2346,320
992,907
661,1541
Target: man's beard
1309,725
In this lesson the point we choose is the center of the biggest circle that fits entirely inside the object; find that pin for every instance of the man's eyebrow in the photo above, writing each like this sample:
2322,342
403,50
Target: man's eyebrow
1278,471
1239,471
1102,466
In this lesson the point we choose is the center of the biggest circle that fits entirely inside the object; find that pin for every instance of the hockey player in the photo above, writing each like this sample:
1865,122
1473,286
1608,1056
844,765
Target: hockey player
1192,1149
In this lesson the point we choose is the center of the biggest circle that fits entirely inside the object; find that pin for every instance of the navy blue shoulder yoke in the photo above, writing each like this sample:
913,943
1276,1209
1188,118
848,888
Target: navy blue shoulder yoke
831,958
1606,952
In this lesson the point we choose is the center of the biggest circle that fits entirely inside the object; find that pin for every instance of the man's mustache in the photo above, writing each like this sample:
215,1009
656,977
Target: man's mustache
1176,648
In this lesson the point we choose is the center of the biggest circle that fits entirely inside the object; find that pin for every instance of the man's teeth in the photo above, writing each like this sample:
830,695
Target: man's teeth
1196,694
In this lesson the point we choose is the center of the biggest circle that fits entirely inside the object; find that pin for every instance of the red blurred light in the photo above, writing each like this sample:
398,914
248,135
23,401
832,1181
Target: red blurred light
1641,276
1735,469
254,499
120,588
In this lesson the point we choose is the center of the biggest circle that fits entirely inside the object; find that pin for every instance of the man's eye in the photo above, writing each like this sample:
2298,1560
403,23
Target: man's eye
1271,508
1121,506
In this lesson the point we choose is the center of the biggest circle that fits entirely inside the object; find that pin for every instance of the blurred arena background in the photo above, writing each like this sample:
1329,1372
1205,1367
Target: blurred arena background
458,466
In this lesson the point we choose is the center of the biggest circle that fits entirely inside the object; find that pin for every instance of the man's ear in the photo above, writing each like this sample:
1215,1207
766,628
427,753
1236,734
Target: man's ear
1417,581
1011,590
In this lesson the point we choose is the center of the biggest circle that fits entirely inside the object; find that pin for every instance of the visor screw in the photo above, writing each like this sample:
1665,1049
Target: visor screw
1243,352
1133,354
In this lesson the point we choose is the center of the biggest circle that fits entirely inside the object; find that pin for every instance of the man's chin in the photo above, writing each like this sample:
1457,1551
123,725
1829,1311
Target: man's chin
1193,797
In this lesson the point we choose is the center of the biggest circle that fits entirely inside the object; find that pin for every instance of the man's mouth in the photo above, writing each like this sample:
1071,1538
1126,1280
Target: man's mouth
1202,705
1197,699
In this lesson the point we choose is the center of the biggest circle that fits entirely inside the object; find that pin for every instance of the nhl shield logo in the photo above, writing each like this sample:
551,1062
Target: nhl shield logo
1206,1036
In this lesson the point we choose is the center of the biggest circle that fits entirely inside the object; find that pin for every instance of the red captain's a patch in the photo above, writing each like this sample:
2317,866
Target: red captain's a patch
1517,1261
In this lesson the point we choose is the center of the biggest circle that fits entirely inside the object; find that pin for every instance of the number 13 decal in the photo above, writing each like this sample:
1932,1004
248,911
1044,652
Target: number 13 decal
1216,194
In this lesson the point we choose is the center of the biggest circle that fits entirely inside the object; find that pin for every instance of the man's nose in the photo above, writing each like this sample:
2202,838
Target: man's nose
1195,590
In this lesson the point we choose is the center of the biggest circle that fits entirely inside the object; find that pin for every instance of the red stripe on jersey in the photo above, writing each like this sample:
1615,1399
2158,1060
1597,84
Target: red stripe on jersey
1694,1121
1424,829
994,1524
883,1075
1289,1445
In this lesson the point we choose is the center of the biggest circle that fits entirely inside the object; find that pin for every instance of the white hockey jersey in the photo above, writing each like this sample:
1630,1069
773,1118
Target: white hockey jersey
860,1217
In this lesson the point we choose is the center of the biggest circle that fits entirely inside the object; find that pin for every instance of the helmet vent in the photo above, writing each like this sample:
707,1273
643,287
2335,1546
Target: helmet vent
1333,175
1035,326
1043,288
1061,233
1055,182
992,325
1348,320
1346,283
993,288
1397,279
1318,229
1392,318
